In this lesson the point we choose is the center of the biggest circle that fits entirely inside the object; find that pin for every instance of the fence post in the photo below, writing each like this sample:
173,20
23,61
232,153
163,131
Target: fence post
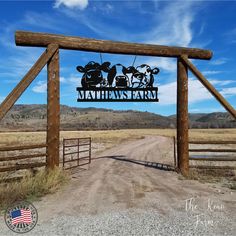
53,111
182,117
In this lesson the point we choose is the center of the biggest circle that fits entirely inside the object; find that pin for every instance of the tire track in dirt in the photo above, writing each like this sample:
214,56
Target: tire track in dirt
114,182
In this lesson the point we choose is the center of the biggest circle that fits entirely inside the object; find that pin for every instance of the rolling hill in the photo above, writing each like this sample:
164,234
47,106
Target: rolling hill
34,117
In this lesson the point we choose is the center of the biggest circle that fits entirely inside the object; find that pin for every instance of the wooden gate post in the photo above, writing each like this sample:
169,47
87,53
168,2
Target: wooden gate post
53,111
182,117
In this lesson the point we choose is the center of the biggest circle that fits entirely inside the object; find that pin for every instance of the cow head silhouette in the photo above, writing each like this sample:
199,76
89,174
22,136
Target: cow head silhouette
142,76
93,73
118,73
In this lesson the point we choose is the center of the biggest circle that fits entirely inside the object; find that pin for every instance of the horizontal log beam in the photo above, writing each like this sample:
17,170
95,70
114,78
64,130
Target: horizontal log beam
25,38
209,87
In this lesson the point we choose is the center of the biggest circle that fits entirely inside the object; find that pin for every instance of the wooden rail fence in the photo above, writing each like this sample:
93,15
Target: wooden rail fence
13,162
214,158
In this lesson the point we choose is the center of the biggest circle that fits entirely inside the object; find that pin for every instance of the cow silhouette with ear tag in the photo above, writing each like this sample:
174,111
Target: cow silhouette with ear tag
118,73
93,74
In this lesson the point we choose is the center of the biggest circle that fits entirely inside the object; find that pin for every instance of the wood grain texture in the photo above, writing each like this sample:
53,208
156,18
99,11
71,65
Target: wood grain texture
53,111
182,118
25,38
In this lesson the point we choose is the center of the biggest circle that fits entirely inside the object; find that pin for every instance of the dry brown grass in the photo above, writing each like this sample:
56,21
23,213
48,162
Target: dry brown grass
114,136
224,177
31,187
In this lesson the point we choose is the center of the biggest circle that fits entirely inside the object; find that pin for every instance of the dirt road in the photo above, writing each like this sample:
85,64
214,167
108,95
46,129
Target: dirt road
127,179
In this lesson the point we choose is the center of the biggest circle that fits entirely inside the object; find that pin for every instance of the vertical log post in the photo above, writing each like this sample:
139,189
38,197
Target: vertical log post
182,117
53,111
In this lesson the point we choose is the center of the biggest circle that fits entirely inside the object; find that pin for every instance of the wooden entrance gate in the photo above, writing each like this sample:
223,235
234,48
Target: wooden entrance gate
50,57
76,152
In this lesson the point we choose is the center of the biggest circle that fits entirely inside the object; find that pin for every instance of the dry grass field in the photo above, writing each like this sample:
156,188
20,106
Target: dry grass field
114,136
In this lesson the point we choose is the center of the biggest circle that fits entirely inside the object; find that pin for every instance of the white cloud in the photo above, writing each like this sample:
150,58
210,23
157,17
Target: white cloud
62,80
43,20
206,110
40,87
229,91
197,92
211,72
80,4
72,79
221,82
171,27
219,61
166,64
175,27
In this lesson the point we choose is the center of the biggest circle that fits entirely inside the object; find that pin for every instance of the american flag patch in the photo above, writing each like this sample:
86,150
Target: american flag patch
21,216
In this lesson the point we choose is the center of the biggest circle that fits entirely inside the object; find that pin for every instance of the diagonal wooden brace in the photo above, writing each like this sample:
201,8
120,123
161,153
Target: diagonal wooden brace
209,86
27,80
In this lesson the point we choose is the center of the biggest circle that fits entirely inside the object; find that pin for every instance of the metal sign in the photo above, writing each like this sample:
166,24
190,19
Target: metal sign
121,83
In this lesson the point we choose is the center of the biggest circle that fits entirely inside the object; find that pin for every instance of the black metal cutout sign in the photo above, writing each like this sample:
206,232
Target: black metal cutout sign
120,84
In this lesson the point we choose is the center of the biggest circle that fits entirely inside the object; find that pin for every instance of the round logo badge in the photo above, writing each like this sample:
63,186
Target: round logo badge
21,217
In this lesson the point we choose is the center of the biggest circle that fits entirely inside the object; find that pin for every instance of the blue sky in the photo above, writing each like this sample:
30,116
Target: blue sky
204,24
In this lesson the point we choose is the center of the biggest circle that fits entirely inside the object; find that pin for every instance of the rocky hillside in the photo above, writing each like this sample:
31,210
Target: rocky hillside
33,117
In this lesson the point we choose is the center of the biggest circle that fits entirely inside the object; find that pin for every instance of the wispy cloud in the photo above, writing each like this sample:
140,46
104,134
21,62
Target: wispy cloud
166,64
80,4
229,91
206,110
43,20
175,27
40,87
211,72
221,82
219,61
231,35
171,27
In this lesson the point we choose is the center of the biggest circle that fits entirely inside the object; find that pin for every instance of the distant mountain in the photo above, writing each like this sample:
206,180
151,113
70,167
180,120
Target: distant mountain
34,117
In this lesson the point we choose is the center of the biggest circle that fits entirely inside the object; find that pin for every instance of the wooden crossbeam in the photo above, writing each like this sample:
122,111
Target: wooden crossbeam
209,86
26,81
32,39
